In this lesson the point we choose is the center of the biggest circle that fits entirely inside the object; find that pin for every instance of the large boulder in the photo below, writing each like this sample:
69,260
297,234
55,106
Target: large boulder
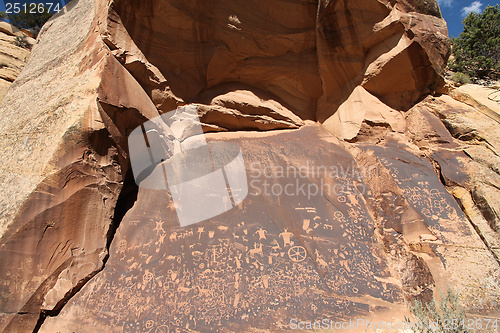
59,169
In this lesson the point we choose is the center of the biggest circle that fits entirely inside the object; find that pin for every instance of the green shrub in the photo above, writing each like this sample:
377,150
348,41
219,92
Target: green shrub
461,78
22,41
477,50
449,317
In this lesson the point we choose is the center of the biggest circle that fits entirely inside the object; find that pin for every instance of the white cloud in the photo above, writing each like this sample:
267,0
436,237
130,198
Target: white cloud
474,7
445,3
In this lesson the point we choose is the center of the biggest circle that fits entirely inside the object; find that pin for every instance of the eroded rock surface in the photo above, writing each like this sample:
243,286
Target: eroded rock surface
60,172
253,266
295,84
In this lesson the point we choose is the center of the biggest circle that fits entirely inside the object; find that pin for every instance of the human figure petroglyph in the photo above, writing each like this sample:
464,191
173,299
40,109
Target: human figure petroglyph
286,237
215,255
159,227
200,231
262,233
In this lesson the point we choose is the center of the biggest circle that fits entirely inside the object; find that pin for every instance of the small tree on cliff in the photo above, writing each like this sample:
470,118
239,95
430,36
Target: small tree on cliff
477,51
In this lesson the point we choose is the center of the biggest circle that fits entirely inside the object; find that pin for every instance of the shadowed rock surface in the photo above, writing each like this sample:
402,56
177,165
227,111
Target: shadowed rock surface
405,199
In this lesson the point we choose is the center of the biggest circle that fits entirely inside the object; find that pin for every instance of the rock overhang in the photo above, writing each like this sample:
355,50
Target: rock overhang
306,55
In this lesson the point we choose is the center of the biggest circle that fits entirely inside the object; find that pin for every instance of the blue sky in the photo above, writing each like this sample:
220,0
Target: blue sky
454,11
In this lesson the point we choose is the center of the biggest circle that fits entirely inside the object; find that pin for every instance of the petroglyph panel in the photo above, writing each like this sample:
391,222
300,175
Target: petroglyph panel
271,259
453,250
422,189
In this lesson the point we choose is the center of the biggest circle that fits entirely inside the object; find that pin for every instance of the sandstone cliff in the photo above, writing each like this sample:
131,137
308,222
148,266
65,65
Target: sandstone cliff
15,48
354,86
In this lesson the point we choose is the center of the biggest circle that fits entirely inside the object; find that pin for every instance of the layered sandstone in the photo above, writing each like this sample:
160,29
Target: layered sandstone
326,83
15,46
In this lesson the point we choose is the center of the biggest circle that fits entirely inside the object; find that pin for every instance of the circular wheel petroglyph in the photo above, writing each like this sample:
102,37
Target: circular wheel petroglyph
297,253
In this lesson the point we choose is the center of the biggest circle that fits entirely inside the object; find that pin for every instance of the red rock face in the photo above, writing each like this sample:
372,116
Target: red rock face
254,266
308,56
288,81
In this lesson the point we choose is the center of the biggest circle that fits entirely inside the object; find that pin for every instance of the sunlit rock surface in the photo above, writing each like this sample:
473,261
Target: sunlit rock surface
15,48
399,195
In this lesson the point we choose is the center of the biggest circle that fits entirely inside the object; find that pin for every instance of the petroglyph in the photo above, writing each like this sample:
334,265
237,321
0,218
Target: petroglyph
246,265
420,187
